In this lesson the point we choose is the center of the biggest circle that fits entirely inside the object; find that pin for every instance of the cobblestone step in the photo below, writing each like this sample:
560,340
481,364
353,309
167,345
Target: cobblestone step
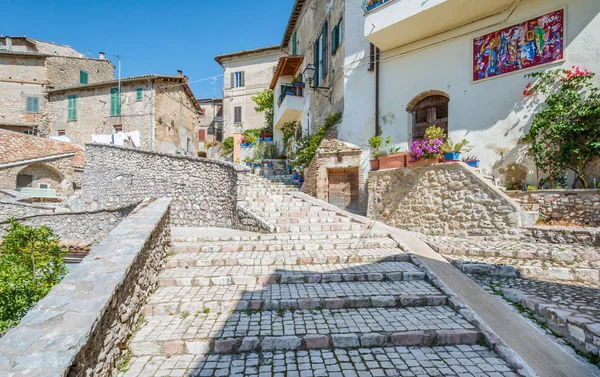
527,269
292,214
333,227
279,237
388,361
295,257
285,245
176,300
293,330
261,275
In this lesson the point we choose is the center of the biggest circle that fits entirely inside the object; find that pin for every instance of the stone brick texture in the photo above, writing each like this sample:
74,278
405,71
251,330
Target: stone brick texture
204,191
447,199
581,207
95,308
90,226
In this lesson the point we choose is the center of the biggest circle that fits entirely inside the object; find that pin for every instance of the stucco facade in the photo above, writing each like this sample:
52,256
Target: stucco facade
492,114
258,67
161,109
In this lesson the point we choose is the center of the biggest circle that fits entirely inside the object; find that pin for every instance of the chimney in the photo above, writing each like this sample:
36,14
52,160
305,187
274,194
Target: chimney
101,55
179,73
9,43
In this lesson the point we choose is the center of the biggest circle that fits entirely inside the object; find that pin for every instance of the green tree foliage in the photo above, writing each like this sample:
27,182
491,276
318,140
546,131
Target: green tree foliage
264,104
565,134
288,130
227,146
31,263
308,145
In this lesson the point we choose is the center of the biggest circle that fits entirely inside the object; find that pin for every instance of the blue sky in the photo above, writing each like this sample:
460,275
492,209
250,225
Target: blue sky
154,36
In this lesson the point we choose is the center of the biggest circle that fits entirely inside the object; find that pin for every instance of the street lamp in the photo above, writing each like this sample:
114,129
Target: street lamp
309,74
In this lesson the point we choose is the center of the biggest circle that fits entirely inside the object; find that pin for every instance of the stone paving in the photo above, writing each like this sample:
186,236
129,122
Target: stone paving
328,302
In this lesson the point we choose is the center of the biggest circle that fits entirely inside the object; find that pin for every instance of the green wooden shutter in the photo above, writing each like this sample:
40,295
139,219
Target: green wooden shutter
32,105
294,41
36,104
324,57
115,102
139,94
334,40
316,53
83,77
72,111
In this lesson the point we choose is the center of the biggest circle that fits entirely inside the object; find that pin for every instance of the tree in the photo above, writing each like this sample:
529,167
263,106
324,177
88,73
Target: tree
565,134
264,103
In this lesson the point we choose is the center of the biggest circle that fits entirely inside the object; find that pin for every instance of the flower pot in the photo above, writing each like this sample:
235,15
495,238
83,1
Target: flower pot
300,179
295,176
299,84
248,164
393,161
473,163
268,139
374,165
374,5
259,139
430,161
290,93
452,156
256,164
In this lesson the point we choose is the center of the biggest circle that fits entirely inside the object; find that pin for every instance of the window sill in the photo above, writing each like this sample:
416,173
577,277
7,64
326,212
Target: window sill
72,120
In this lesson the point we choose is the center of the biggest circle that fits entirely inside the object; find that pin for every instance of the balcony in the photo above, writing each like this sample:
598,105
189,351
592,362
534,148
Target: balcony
290,104
395,23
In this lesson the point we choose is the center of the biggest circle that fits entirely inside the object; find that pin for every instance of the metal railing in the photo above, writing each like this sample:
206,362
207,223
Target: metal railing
290,90
369,5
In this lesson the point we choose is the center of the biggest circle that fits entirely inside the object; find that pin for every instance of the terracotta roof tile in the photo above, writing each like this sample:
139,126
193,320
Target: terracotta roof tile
16,146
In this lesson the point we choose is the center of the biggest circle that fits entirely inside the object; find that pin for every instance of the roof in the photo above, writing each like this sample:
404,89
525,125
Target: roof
15,146
182,79
287,66
210,100
219,58
289,30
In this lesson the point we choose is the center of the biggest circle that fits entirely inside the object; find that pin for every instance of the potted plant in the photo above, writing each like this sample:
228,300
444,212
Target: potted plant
295,174
472,161
250,139
301,176
248,161
375,144
386,156
427,150
452,150
297,82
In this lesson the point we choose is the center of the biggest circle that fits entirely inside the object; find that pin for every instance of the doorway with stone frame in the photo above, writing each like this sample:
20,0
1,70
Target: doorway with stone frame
427,109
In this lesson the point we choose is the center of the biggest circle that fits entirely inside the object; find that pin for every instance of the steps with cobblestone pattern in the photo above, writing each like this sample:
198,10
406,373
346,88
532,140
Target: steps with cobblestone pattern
292,257
175,299
313,237
291,274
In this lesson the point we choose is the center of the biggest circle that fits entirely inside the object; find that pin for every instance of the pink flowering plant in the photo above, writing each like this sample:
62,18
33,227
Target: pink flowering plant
428,147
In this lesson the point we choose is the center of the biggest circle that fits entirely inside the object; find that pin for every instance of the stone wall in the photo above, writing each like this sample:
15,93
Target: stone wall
80,327
64,71
447,199
85,226
581,207
204,191
8,208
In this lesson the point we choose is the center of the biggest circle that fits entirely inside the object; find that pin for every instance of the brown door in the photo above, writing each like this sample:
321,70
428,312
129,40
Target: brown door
343,188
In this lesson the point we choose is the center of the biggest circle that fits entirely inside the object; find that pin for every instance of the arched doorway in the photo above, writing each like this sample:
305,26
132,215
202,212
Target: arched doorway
429,108
39,176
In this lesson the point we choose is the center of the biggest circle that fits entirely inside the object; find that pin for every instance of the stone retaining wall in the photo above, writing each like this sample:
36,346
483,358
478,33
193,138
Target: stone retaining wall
90,226
80,327
10,209
581,207
204,191
448,199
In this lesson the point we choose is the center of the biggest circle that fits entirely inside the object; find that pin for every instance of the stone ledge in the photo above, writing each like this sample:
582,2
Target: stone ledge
87,317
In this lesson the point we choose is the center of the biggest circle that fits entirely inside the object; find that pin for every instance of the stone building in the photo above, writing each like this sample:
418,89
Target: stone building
211,123
29,67
245,74
153,112
39,163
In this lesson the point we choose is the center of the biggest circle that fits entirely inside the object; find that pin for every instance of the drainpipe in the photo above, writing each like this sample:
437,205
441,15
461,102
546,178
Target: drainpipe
151,114
377,125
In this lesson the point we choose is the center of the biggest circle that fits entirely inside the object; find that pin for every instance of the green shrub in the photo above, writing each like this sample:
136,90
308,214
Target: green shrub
31,263
227,146
308,145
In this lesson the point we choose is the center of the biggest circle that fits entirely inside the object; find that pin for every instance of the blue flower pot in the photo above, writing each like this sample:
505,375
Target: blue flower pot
251,144
248,164
228,159
256,165
295,176
259,139
268,139
300,179
452,156
474,163
243,145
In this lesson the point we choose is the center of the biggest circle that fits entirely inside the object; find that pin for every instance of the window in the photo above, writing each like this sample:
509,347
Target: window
115,102
72,112
44,186
294,43
237,114
24,180
118,128
201,135
61,133
139,94
320,55
237,79
32,105
83,77
336,37
189,145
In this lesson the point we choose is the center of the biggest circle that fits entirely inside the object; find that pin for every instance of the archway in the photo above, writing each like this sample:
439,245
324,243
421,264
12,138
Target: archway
39,176
428,108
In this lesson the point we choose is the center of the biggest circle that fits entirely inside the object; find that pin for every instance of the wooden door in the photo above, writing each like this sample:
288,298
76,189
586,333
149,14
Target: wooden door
343,188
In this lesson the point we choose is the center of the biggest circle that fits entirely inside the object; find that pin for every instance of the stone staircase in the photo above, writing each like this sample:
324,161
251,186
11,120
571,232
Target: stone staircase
323,296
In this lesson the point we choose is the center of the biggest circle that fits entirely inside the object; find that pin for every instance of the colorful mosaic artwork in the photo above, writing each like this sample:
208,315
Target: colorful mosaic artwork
525,45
